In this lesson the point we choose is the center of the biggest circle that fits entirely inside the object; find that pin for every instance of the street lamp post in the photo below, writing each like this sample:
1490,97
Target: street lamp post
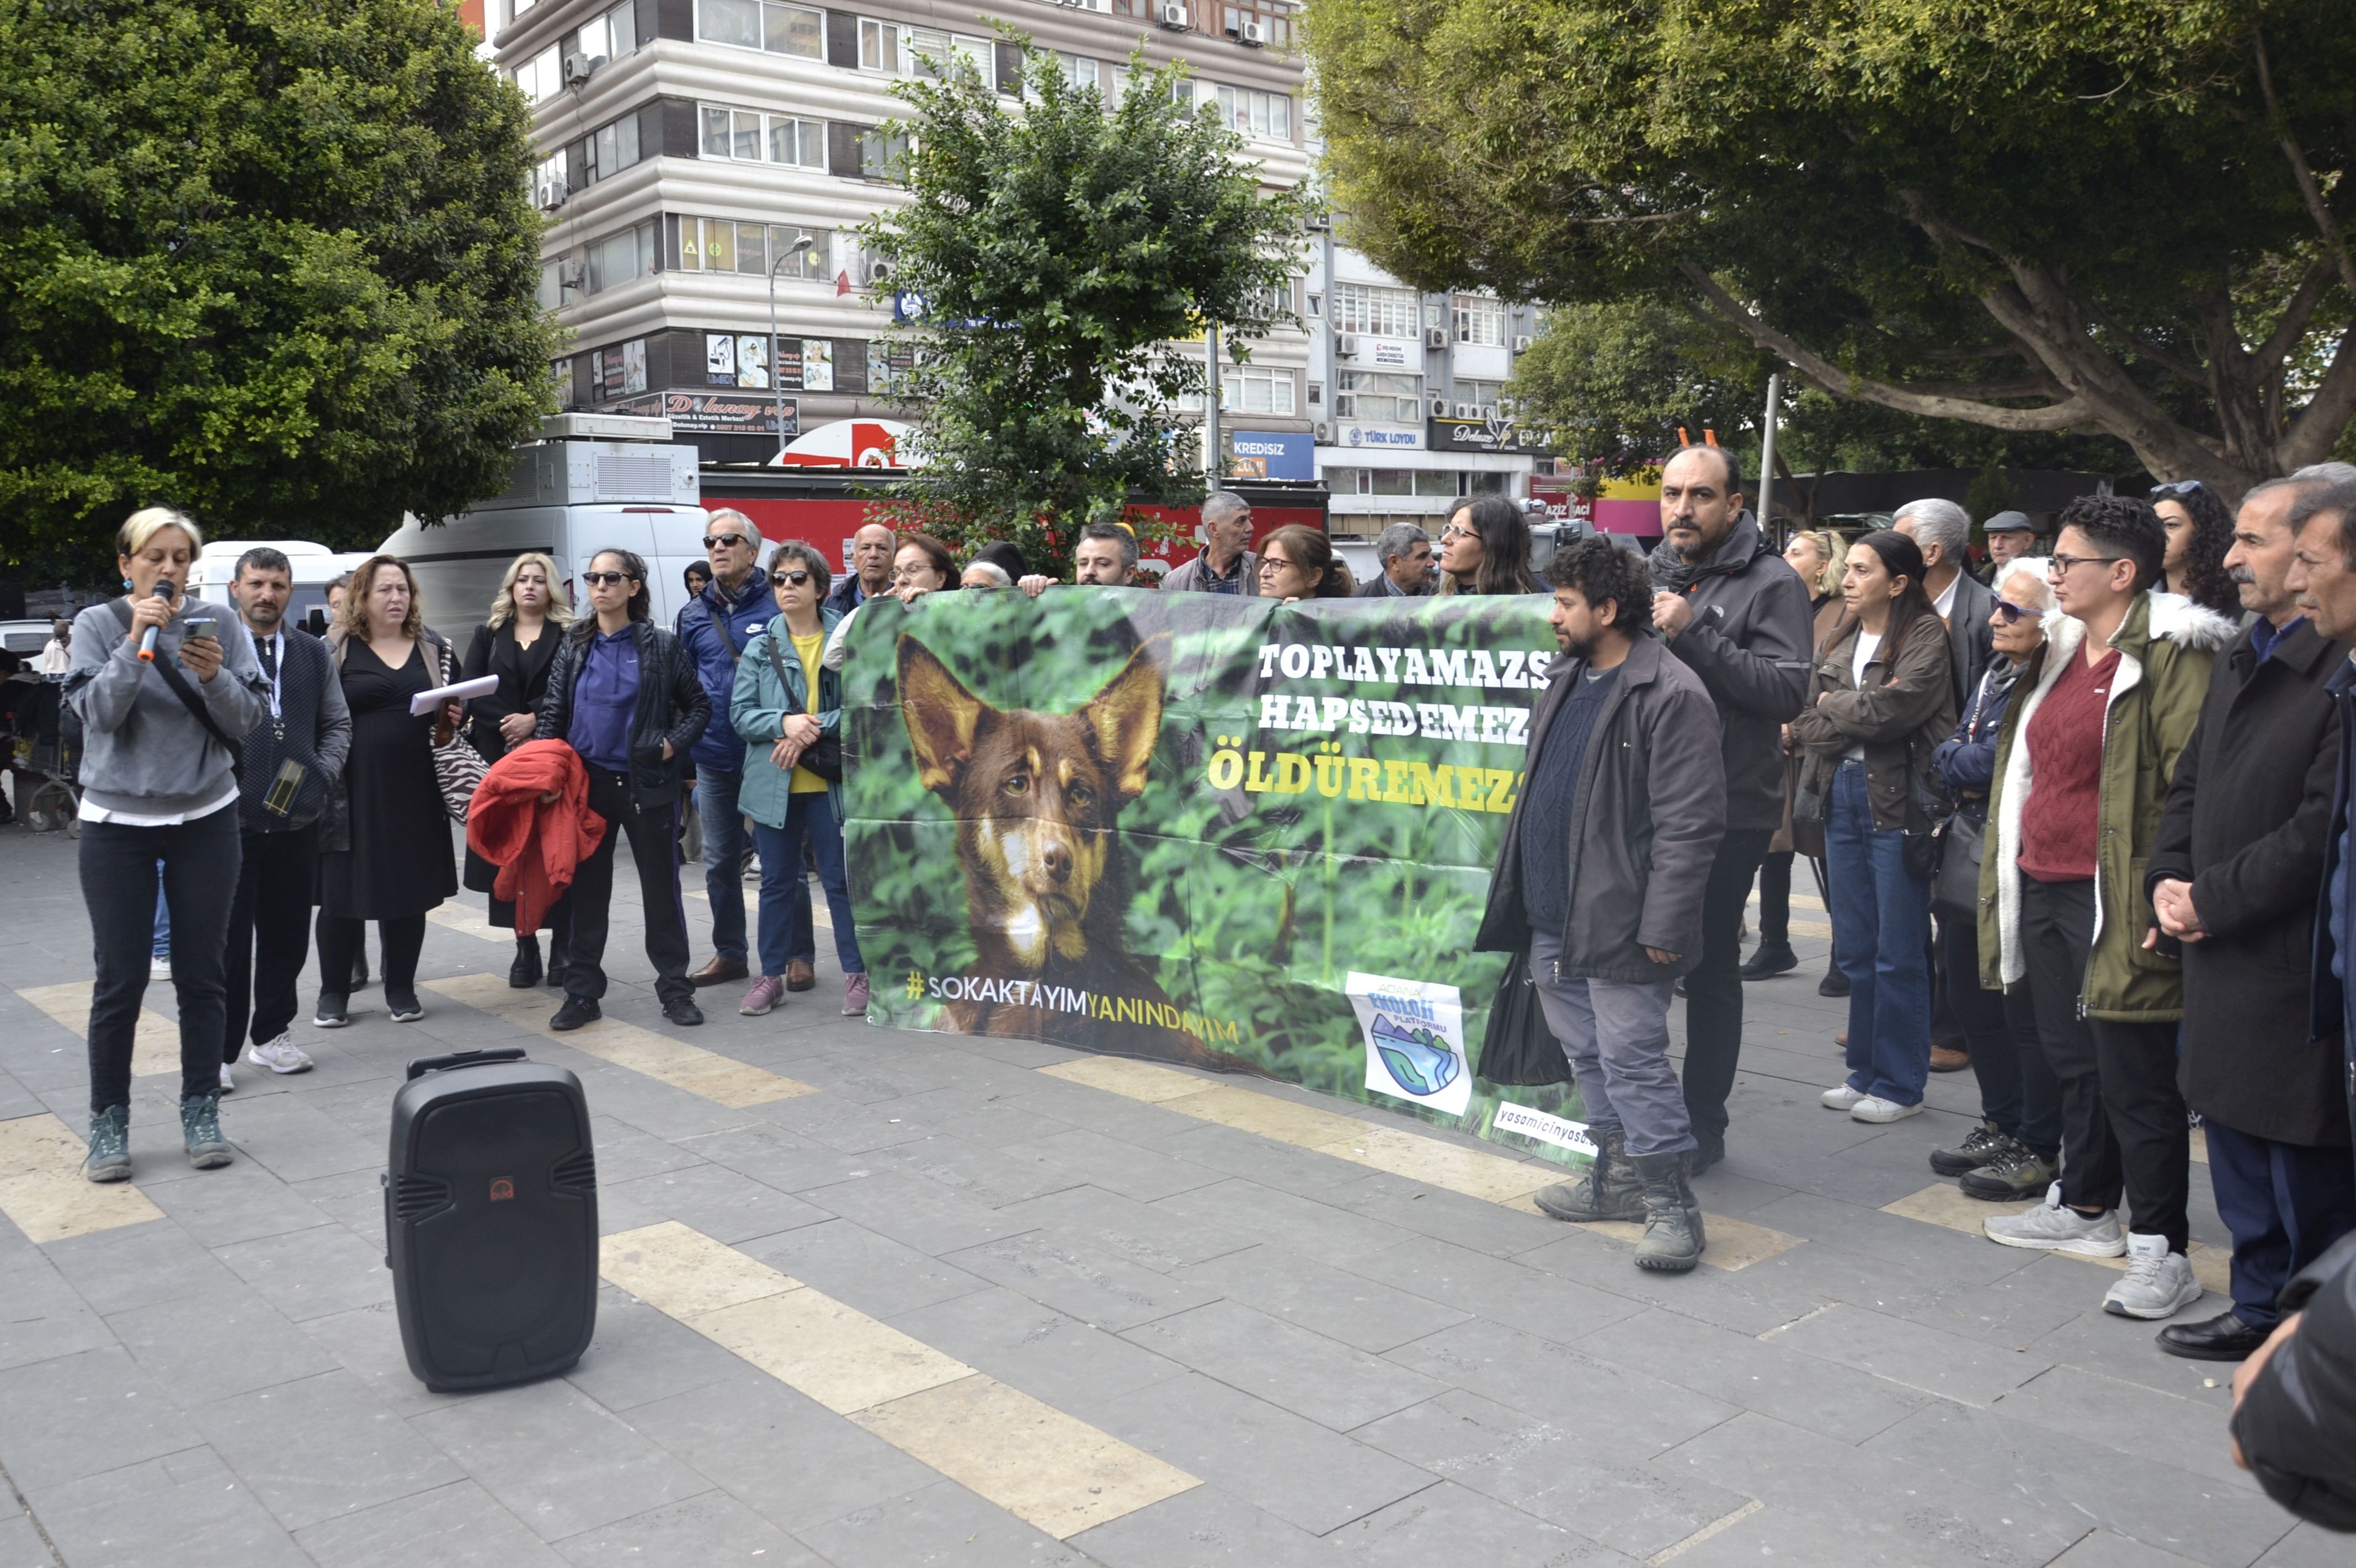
777,382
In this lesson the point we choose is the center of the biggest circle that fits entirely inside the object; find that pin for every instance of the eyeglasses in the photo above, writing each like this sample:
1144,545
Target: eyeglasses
782,579
599,579
2062,564
1453,532
730,540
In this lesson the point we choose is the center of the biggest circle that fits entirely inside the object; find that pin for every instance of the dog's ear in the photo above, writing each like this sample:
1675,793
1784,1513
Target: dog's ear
941,713
1125,716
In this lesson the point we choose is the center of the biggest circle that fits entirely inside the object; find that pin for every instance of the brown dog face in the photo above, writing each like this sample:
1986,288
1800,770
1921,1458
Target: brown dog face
1036,795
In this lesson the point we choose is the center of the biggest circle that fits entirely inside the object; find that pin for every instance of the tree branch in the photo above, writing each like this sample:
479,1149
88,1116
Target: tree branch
2152,351
2277,347
2317,430
2336,242
2065,415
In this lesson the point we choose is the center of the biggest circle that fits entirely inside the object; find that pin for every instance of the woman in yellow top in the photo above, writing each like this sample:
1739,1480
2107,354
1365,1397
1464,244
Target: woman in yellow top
788,709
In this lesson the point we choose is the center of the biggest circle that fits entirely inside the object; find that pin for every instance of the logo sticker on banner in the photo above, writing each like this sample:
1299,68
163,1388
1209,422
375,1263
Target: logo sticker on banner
1415,1040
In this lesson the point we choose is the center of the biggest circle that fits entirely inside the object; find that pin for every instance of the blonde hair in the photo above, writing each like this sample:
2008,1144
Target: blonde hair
1828,543
503,607
146,523
351,615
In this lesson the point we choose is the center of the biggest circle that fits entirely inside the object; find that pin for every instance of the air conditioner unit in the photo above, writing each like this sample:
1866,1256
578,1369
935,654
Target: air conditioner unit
1345,346
1435,337
1318,223
1522,343
1171,16
579,69
1467,411
1325,433
569,271
873,272
1439,408
1255,34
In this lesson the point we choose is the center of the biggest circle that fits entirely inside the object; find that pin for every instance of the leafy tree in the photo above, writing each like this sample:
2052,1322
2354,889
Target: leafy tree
2127,218
269,261
1059,251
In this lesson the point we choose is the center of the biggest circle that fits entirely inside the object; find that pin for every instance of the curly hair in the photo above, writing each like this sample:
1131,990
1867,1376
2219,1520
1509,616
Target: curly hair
2124,526
352,614
1600,569
2206,581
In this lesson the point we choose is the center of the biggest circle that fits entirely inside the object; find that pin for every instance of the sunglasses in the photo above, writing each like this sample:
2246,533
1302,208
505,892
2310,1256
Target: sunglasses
599,579
2178,487
784,579
2011,613
711,539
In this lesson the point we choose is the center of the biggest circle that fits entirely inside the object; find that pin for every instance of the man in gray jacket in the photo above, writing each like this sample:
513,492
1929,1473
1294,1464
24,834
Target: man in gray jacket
1227,565
1737,618
1601,878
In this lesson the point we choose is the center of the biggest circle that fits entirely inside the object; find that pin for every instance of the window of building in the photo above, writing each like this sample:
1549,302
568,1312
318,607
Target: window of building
762,25
1377,312
1080,71
1481,484
724,245
1435,482
550,292
1256,114
749,136
929,52
608,150
880,152
1316,394
1249,390
1480,321
612,35
541,76
1272,23
620,258
619,371
1376,395
548,185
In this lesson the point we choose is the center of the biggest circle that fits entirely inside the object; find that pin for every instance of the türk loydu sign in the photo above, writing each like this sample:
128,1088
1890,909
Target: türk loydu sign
1227,832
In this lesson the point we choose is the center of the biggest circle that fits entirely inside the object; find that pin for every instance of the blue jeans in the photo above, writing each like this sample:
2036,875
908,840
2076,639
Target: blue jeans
1882,929
724,880
782,878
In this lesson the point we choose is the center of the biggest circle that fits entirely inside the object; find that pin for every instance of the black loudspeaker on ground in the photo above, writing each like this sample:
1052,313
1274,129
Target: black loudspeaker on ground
490,1219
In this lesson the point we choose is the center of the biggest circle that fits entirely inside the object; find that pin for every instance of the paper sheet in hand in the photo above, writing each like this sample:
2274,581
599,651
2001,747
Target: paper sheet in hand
427,701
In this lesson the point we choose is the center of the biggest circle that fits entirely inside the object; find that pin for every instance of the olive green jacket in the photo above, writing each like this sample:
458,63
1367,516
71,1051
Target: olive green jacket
2165,644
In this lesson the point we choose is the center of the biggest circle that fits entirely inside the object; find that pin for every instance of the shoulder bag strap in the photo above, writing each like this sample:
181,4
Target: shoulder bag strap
777,662
198,711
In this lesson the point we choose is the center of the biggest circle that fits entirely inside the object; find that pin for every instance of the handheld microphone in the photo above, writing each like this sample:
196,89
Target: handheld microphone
165,589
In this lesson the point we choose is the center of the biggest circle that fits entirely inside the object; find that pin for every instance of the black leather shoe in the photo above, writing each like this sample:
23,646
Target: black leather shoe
683,1012
1710,1148
1833,983
1769,962
2225,1338
577,1011
524,972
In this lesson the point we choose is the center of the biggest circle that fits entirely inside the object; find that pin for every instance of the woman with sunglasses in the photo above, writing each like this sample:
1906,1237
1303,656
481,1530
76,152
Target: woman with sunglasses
2199,532
787,707
628,698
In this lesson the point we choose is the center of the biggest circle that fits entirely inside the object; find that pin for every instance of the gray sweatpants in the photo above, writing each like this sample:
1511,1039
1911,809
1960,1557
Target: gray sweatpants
1616,1034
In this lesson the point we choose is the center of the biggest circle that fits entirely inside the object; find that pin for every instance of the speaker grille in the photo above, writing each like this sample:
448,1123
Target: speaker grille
576,1173
415,1197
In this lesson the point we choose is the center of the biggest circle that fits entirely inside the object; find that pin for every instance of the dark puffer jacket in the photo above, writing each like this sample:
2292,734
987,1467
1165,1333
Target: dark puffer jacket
673,706
2297,1425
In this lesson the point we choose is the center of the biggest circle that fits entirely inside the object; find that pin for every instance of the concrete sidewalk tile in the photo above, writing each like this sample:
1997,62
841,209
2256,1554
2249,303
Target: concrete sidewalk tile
1281,1166
1748,1301
1766,1533
1347,1306
2308,1546
781,1454
43,1191
1911,1355
1051,1470
1289,1366
314,1273
721,1203
2163,1428
154,1039
246,1344
942,1522
1474,1283
1730,1245
293,1141
21,1545
837,1356
241,1202
982,1173
1130,1080
2104,1549
1893,1238
1285,1464
1311,1226
782,1159
83,1415
986,1118
1130,1120
641,1355
186,1508
457,1526
840,1124
557,1460
878,1275
1435,1162
708,1529
1500,1230
1114,1164
625,1152
678,1270
1090,1285
1157,1238
1068,1363
1573,1469
1274,1113
43,1317
913,1211
321,1447
2122,1349
1542,1378
1768,1376
1208,1527
1452,1522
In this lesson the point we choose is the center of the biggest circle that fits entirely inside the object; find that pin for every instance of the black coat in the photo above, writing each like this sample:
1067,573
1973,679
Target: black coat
1970,641
523,680
2297,1425
673,706
2244,822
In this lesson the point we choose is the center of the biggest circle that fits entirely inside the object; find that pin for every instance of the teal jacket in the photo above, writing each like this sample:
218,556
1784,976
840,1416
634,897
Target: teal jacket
757,707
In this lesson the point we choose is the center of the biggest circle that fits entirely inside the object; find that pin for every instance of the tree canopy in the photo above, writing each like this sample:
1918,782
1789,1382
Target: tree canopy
1059,251
272,261
2115,216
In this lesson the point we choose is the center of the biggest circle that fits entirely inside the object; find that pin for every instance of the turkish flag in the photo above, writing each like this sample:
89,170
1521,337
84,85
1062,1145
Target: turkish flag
841,284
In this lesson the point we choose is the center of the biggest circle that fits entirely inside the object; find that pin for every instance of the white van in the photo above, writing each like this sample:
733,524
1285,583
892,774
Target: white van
314,566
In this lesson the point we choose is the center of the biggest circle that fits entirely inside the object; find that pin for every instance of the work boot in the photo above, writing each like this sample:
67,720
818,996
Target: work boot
1673,1232
1608,1191
110,1145
200,1129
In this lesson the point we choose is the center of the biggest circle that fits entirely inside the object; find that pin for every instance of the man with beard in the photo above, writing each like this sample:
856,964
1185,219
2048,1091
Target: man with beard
1737,617
1600,880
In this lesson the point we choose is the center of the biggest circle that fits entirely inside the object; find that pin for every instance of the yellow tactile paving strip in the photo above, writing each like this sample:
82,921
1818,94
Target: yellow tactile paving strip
1492,1179
43,1191
1943,1203
469,921
683,1066
1040,1465
155,1042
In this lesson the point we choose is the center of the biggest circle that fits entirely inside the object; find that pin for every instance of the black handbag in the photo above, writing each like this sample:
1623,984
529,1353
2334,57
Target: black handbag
1519,1048
822,756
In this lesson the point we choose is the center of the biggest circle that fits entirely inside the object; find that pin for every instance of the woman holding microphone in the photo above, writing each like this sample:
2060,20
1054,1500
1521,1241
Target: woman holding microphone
165,689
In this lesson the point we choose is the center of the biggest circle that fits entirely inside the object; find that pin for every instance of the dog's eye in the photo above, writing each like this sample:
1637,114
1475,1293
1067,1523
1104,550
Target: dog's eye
1018,784
1080,795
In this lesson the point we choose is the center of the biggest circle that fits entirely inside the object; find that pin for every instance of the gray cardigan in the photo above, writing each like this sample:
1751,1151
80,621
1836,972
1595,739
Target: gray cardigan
143,751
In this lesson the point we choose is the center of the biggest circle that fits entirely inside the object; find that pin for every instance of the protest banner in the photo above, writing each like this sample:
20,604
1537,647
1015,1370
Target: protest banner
1227,832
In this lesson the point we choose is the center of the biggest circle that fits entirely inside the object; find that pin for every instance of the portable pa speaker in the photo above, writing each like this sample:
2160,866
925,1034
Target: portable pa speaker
490,1219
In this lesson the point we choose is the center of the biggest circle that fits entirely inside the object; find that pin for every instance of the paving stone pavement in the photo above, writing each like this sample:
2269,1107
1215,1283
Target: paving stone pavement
910,1298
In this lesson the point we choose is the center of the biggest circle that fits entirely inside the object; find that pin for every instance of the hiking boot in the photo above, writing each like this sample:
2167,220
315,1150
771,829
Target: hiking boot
2159,1281
1608,1190
1981,1147
110,1145
525,972
1833,983
683,1011
801,975
766,993
854,995
2054,1227
282,1055
1672,1232
2018,1172
577,1011
1772,958
200,1129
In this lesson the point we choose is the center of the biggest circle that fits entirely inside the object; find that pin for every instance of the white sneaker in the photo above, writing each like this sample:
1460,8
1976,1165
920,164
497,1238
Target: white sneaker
1841,1097
2156,1284
280,1055
228,1082
2054,1227
159,968
1874,1108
